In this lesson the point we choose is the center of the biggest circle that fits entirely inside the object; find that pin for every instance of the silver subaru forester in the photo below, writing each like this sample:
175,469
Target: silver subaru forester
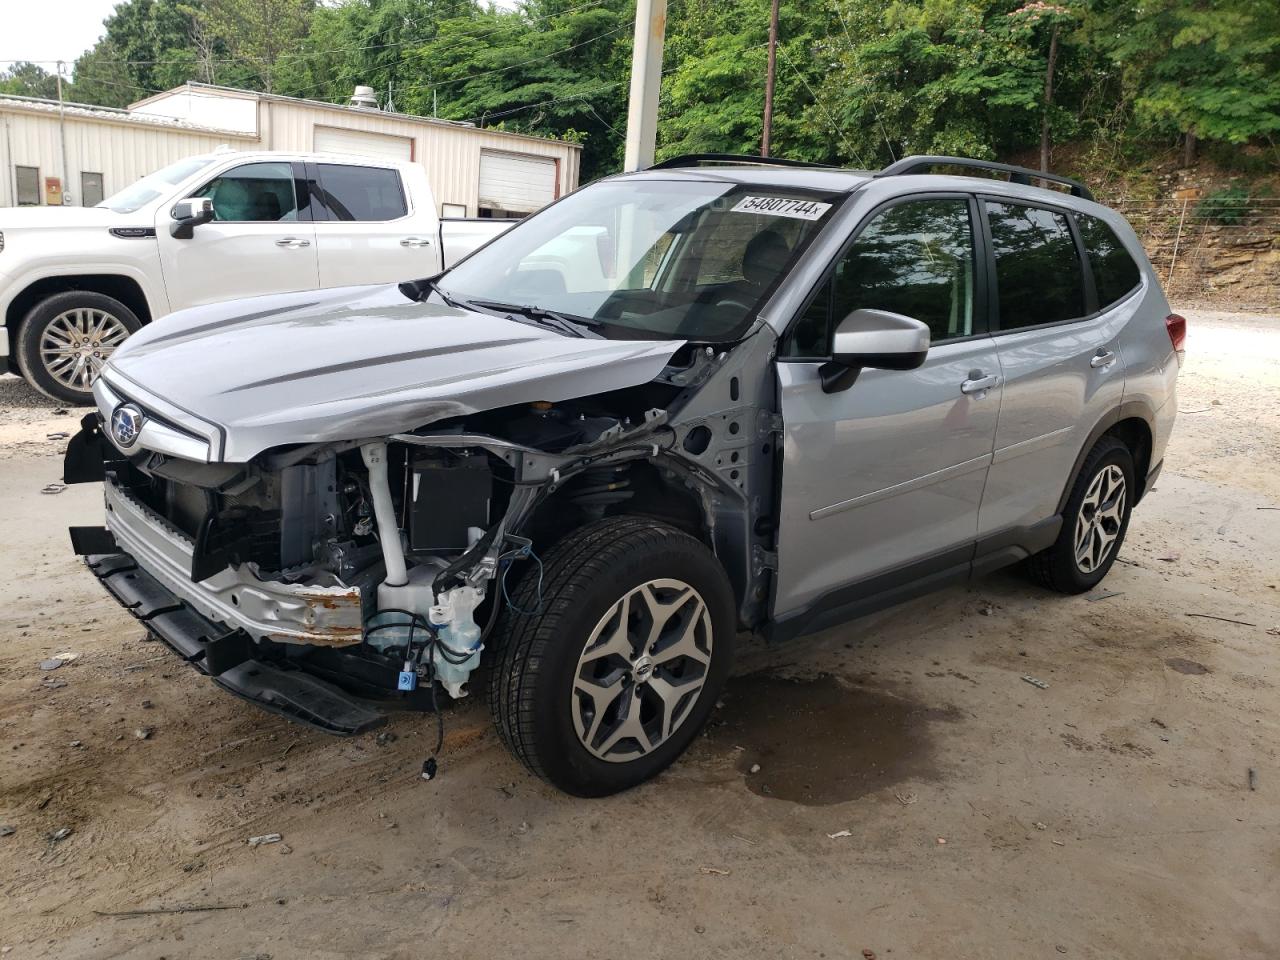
720,394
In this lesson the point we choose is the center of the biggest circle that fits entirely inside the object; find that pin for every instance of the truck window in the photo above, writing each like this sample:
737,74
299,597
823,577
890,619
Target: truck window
253,193
368,194
1039,277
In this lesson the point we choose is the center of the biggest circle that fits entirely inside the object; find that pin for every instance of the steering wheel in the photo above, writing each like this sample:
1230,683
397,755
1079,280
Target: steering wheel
733,303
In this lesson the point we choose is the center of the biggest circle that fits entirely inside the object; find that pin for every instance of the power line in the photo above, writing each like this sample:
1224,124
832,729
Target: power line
831,120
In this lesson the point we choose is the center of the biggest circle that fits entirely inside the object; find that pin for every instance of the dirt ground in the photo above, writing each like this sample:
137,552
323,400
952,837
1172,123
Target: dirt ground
1110,815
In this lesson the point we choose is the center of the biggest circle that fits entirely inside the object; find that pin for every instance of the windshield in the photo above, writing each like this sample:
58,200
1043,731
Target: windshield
153,185
649,259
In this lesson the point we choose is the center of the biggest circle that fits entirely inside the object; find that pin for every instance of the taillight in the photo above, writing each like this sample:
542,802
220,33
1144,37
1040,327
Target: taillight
1177,327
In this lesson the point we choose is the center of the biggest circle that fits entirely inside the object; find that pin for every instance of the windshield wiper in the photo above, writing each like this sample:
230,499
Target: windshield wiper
565,323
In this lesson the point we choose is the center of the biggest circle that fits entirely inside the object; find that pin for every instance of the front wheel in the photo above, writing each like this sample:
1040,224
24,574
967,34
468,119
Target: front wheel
65,340
616,663
1094,522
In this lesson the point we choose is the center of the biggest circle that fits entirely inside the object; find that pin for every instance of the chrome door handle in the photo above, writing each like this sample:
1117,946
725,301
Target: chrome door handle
293,242
415,242
980,384
1103,358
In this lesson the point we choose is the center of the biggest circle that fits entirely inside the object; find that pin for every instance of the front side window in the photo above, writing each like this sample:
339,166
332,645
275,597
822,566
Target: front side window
915,258
1114,272
253,193
366,194
1039,277
650,259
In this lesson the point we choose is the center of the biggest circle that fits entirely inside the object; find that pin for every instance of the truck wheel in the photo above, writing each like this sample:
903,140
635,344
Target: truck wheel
619,658
1094,522
66,338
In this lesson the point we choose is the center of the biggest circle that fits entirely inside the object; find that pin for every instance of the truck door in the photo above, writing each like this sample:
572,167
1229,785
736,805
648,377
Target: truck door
367,231
881,482
257,243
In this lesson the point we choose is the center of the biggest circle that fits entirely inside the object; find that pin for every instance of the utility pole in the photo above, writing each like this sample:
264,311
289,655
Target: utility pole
769,79
646,83
62,137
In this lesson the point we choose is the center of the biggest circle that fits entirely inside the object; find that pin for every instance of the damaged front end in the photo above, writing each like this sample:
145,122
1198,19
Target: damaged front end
318,578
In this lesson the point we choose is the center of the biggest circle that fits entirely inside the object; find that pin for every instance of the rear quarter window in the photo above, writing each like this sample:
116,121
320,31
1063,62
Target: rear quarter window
1114,272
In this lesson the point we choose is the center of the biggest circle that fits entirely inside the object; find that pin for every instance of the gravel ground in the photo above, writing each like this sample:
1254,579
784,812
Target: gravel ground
1112,814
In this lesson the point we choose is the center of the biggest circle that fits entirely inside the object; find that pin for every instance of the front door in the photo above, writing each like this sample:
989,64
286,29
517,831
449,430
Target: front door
256,243
887,476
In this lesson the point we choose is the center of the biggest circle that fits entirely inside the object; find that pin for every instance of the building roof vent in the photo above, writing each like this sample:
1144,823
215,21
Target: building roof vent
364,98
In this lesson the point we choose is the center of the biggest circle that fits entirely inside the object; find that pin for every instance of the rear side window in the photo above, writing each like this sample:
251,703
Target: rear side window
1114,272
369,194
1039,277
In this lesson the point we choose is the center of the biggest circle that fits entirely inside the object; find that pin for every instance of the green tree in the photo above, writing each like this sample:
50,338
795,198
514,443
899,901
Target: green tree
28,80
1202,70
259,32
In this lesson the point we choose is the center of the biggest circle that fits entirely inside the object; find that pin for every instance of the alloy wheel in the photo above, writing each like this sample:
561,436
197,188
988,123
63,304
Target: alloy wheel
1100,518
76,343
642,670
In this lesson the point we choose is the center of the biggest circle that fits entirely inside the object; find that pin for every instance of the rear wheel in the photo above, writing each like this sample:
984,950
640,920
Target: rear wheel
614,671
1094,522
65,340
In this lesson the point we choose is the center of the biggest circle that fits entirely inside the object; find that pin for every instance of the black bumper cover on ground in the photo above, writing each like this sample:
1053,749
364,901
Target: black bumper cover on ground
225,655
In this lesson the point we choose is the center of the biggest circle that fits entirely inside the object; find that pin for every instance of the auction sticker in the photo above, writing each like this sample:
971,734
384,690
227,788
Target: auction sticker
783,207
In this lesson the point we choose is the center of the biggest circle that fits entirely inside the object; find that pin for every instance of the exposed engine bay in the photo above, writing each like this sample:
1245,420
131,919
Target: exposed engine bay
401,552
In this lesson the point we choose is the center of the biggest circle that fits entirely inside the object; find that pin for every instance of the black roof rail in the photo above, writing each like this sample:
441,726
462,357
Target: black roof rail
1020,175
697,159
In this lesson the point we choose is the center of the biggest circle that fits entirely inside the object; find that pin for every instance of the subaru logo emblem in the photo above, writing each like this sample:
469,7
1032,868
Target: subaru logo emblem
126,424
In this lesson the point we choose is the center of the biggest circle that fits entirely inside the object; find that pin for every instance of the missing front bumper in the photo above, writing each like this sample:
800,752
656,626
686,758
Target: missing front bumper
225,655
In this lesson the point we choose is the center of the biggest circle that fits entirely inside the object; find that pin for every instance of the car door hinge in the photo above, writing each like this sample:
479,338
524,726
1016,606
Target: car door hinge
770,423
762,560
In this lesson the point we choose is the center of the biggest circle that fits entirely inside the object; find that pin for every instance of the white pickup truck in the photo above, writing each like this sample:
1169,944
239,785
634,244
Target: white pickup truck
76,281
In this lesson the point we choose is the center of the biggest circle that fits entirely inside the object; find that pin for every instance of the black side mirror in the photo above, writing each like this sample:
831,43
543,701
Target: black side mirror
877,339
189,214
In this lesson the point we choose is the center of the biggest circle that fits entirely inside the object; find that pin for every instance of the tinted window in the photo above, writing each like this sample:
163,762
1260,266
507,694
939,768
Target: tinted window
1038,272
361,193
915,258
253,193
1114,272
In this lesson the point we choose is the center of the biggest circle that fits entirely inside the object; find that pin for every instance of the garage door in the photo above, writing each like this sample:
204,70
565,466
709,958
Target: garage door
516,183
362,143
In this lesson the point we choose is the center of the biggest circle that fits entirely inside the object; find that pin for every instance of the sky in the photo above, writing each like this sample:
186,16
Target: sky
51,29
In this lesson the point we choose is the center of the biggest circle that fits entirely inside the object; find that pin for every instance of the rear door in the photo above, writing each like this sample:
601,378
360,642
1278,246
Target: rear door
1059,356
366,228
884,479
257,243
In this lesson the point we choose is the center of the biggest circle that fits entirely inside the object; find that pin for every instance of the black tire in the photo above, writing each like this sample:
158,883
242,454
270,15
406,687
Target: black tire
1057,567
37,321
532,679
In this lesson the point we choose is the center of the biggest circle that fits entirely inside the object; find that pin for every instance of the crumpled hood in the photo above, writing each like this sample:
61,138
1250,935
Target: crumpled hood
358,362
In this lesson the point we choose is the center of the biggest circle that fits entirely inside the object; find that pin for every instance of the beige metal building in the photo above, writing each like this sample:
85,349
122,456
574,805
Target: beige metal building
473,172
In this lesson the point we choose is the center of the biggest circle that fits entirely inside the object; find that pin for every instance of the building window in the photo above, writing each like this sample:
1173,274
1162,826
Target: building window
90,189
28,181
456,211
